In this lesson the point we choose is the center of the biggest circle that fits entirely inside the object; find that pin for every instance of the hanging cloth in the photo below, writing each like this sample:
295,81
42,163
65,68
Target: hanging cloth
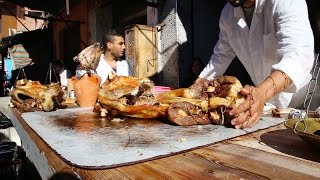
19,56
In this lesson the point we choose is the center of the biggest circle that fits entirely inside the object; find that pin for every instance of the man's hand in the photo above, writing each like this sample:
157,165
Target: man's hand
256,97
249,112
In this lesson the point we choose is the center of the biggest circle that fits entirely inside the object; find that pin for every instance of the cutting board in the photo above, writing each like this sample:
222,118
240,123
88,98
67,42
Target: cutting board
82,138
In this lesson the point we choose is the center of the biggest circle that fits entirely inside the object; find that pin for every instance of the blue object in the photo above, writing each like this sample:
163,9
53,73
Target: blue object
8,66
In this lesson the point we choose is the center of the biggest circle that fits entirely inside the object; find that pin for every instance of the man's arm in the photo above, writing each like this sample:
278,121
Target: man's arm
250,111
223,54
295,41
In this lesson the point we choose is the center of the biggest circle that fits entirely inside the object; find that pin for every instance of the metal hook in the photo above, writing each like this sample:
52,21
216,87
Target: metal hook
296,125
223,109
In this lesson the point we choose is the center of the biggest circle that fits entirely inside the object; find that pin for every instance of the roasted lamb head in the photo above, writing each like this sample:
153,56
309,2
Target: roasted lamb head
89,57
29,94
130,96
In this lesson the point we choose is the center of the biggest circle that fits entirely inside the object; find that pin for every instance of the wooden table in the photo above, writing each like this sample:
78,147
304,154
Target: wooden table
274,153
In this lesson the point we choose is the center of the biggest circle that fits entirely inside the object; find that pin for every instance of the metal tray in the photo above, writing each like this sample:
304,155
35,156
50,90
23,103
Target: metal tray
308,129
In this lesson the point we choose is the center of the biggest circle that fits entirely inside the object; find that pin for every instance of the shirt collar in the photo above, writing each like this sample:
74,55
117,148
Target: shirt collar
258,8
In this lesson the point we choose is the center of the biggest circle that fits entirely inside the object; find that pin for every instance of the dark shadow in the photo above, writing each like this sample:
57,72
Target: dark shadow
64,176
287,142
70,48
27,169
314,17
3,137
237,69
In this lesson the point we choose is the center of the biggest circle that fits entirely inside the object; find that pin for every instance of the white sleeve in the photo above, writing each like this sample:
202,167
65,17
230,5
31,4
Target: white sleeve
222,55
296,41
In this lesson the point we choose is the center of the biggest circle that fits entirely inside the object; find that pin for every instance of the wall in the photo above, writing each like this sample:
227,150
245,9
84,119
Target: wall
71,34
8,21
23,24
191,28
168,48
27,23
74,16
100,20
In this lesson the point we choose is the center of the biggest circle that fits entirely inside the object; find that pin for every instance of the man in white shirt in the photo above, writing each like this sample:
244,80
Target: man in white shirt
274,41
110,61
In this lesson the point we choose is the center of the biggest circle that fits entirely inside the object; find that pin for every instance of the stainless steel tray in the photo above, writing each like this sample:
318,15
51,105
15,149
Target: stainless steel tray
308,128
305,123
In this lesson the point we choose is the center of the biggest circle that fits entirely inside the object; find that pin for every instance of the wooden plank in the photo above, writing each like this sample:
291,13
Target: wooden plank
110,174
143,170
189,165
259,162
141,42
147,50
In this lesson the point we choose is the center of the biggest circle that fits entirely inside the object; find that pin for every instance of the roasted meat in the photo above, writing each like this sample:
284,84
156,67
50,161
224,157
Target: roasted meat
216,99
225,96
199,90
89,57
187,114
129,96
203,103
29,94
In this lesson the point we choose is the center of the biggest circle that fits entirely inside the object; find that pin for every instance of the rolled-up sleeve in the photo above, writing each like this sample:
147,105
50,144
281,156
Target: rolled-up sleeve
222,55
296,42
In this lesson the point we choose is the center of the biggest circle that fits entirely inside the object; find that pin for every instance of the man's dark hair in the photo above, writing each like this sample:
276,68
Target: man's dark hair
109,35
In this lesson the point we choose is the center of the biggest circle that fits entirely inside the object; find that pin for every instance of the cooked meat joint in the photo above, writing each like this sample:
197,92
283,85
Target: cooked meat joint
205,103
31,94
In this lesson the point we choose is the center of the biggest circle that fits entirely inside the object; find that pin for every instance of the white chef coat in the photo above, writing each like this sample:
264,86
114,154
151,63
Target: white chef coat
64,74
123,68
279,38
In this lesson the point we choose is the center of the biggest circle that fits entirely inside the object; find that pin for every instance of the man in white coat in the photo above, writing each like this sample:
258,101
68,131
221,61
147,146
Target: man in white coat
274,41
110,61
